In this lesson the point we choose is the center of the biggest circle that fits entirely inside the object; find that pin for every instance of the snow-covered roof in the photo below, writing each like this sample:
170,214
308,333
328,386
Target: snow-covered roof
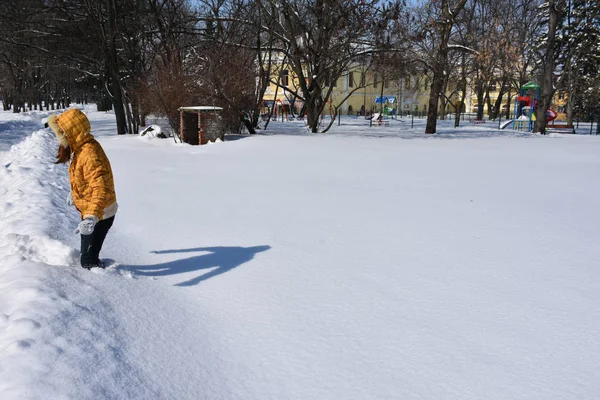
201,108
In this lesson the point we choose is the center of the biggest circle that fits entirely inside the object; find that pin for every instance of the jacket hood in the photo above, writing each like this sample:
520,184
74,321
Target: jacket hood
72,128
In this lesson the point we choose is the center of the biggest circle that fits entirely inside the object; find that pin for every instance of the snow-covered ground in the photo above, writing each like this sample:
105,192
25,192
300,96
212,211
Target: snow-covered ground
367,263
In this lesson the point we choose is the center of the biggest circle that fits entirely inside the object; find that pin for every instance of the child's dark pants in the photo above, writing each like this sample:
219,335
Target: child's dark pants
92,244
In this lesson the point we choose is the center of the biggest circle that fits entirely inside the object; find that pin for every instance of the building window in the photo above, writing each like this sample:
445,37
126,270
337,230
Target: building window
328,82
351,79
285,77
363,79
407,83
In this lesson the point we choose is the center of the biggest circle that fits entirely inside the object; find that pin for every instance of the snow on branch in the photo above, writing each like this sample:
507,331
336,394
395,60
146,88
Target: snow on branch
460,47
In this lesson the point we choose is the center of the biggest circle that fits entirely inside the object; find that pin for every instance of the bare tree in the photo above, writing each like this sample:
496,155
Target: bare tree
556,10
438,19
321,39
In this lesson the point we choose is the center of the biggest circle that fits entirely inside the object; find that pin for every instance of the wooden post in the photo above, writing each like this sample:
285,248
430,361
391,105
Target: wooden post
199,129
181,125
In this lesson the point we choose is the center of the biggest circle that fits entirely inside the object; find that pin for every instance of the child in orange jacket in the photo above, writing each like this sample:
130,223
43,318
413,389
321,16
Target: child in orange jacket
92,184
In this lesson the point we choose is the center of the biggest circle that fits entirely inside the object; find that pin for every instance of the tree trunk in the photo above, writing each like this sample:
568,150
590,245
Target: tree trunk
274,102
488,103
570,103
436,86
313,114
314,105
5,101
480,92
16,105
441,61
548,68
443,100
498,103
463,90
113,68
437,82
381,96
508,98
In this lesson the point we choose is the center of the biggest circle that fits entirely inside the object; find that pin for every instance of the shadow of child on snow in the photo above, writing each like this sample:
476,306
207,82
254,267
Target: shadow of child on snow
221,258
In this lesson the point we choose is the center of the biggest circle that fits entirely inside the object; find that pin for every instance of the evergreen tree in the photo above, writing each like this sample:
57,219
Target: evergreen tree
579,49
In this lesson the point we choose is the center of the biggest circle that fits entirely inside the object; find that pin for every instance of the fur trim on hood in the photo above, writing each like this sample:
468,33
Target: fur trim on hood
73,126
60,134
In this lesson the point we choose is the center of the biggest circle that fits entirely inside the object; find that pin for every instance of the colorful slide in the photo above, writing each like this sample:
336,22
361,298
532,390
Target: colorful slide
551,115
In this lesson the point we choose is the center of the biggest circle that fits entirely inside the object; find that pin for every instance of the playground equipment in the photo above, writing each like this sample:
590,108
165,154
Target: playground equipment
387,101
525,105
524,108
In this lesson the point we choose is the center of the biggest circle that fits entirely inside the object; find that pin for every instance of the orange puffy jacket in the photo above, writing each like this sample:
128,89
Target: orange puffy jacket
92,184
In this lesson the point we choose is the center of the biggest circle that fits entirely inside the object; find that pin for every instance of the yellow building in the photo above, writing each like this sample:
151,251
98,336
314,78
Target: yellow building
400,96
358,92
